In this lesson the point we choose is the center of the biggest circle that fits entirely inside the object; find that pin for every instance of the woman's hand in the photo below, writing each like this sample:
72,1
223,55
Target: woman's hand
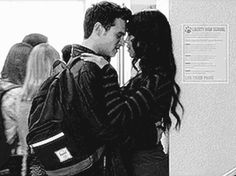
160,130
99,60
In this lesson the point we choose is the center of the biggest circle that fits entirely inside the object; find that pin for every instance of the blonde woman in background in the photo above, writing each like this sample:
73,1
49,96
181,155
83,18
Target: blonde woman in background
39,68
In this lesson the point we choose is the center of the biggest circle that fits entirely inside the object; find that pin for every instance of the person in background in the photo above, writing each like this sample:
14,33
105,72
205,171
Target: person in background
13,73
9,70
34,39
39,68
149,44
14,67
66,53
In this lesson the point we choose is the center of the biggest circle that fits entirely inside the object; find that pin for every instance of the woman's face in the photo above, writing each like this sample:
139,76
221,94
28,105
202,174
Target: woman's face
129,45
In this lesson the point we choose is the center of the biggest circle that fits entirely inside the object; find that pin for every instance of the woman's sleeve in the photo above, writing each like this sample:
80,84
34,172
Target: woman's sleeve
9,115
137,104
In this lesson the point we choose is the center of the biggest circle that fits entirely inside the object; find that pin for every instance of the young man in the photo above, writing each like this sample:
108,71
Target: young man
104,30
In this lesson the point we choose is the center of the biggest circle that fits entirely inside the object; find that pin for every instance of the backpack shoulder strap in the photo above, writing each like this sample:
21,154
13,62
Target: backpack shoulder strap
73,61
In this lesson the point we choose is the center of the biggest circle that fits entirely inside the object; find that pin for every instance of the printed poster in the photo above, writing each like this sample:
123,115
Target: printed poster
205,53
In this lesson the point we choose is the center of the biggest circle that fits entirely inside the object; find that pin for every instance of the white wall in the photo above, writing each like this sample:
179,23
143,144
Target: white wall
139,5
60,20
206,143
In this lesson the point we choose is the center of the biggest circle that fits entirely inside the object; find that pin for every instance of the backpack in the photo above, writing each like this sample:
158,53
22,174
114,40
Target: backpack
5,151
56,128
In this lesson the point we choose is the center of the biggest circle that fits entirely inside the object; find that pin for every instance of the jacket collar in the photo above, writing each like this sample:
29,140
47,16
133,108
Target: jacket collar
79,49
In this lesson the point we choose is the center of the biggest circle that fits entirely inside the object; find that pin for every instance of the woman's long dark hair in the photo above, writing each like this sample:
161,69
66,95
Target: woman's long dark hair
152,44
14,68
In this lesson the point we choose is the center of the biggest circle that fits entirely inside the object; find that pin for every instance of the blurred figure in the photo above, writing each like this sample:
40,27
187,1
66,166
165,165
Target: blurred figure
66,53
13,73
35,39
39,68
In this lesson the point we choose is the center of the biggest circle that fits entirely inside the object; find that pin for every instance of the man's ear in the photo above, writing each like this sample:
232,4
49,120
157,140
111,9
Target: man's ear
98,28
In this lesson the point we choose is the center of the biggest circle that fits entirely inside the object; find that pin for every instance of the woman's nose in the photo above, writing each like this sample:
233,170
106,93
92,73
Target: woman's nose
122,41
127,39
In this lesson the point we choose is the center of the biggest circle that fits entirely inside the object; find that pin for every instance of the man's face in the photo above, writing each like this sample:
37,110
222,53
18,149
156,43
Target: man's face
113,38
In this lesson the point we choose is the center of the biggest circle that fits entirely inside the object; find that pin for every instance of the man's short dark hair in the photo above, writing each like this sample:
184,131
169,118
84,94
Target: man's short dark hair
104,12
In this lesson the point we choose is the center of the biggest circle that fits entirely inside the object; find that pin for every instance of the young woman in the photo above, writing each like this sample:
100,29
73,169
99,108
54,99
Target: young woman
39,68
149,43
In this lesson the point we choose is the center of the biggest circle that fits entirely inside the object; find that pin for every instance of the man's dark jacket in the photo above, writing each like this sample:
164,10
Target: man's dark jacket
105,109
89,78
